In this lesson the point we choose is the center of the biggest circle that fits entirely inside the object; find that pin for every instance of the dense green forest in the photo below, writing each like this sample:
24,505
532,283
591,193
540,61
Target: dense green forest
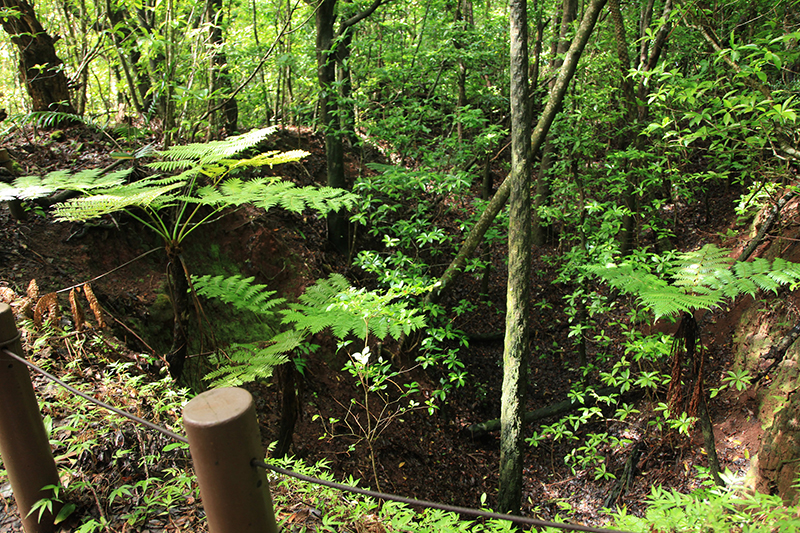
520,225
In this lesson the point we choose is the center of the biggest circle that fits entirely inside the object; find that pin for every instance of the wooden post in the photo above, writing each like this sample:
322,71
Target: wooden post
224,439
24,445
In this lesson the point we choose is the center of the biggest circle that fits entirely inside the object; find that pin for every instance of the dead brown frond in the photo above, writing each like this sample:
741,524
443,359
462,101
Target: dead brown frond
78,317
47,306
94,305
33,290
7,295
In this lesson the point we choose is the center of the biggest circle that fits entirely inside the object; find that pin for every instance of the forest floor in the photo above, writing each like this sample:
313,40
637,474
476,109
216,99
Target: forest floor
426,457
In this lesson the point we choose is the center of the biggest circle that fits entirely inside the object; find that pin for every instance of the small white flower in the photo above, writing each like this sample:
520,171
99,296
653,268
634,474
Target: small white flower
362,358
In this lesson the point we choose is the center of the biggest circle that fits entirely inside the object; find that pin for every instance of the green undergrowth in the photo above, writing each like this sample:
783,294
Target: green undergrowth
118,476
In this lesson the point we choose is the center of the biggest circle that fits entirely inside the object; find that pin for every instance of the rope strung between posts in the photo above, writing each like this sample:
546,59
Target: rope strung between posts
95,401
256,463
433,505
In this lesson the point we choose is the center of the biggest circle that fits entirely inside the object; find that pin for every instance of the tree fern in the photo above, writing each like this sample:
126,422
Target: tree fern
702,279
171,206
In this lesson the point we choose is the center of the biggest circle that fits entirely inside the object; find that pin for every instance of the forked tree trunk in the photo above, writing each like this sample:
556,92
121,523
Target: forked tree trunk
500,198
40,69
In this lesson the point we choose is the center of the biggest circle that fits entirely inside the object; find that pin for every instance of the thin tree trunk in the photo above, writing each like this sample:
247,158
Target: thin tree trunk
338,227
517,337
287,377
707,429
569,12
765,226
327,52
628,229
219,77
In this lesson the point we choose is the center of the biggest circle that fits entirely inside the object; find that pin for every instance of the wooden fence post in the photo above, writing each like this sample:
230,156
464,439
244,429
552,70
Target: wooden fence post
224,439
24,445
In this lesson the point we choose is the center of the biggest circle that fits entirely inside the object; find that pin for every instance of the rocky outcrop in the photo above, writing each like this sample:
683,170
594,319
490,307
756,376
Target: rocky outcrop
779,454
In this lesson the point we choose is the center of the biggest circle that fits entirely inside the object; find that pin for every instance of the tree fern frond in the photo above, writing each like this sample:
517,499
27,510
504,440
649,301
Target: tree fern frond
29,187
784,272
269,159
172,166
291,198
627,278
703,279
697,267
149,192
249,362
240,292
333,303
214,151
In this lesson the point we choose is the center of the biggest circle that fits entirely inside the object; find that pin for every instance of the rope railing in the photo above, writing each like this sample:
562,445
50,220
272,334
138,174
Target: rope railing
463,511
104,405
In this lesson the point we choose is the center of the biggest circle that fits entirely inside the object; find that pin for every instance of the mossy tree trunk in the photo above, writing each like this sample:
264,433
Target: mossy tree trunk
39,66
516,348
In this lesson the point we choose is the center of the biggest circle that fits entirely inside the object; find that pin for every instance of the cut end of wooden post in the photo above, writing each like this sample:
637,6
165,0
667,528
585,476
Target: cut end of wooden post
215,407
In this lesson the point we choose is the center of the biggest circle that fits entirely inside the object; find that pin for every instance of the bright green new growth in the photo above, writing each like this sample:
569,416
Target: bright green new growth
703,279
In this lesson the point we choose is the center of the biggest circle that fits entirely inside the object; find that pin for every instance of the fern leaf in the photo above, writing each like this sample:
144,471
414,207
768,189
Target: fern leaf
240,292
698,267
29,187
249,362
149,192
214,151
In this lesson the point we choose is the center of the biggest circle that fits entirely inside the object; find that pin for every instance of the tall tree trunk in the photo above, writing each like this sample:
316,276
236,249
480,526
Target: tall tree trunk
622,141
219,77
338,226
461,21
39,67
135,75
516,347
500,198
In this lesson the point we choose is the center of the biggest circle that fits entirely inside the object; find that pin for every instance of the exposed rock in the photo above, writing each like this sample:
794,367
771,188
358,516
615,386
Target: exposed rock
779,453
